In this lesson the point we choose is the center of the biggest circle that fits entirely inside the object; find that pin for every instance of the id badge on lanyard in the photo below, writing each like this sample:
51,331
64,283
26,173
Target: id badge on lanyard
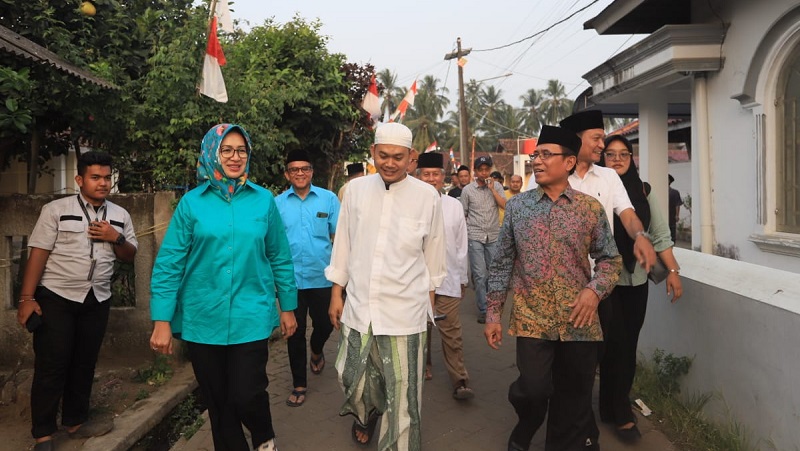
93,261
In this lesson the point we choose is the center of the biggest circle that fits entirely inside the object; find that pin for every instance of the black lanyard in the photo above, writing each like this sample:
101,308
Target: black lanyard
86,213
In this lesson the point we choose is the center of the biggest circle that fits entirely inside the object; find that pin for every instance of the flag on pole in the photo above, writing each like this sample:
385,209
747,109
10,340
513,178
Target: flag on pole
431,148
212,84
223,14
371,103
407,101
453,159
462,62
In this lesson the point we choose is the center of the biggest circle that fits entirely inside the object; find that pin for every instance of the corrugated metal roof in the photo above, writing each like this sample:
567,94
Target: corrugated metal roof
15,44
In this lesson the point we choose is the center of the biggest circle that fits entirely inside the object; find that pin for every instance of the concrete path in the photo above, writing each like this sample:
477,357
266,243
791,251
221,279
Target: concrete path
482,424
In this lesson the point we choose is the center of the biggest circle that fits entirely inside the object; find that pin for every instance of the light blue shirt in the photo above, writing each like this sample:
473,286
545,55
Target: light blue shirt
309,223
221,266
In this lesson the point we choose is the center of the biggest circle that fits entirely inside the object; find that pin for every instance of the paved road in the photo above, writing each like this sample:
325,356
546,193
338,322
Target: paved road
481,424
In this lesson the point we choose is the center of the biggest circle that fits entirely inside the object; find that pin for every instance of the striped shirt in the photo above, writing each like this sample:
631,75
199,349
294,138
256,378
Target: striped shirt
482,212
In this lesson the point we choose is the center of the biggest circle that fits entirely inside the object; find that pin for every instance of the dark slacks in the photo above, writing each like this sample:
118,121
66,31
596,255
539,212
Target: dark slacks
618,363
559,375
233,382
66,347
313,302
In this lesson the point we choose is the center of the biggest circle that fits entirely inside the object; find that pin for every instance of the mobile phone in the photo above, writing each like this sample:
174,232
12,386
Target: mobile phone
34,321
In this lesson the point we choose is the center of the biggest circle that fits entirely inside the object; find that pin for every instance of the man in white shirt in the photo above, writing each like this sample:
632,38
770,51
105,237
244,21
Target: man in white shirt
390,254
449,294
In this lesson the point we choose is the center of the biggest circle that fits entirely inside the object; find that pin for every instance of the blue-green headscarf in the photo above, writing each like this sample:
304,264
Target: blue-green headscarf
209,167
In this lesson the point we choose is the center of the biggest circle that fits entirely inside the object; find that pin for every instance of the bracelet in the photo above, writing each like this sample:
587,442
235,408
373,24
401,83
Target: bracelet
676,271
644,234
23,300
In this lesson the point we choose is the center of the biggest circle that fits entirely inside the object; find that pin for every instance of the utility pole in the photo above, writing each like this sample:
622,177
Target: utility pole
462,104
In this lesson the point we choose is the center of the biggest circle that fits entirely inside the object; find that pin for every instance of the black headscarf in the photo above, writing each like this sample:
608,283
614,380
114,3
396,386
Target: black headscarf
637,192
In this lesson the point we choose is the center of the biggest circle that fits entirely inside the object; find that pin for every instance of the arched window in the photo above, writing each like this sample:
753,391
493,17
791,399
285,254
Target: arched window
788,149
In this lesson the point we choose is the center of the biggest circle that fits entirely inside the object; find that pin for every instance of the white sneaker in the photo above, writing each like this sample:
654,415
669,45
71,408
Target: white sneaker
269,445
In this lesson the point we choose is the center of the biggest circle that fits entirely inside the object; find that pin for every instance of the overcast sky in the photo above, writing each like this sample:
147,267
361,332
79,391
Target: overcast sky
412,37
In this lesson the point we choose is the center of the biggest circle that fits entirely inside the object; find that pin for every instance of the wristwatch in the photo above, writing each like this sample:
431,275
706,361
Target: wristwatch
120,240
644,234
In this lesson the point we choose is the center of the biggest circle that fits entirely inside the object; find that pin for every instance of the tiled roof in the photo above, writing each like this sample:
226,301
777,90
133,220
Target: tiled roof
15,44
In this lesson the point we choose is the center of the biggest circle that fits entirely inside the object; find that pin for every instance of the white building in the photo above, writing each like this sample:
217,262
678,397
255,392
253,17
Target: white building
734,66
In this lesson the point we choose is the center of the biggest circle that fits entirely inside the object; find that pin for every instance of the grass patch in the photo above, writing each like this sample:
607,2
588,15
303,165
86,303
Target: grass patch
682,418
156,374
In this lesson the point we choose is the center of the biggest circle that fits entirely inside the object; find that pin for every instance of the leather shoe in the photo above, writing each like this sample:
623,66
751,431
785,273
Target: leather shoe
515,447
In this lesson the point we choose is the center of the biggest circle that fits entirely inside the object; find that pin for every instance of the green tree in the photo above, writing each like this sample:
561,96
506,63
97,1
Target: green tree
556,105
429,106
391,91
532,104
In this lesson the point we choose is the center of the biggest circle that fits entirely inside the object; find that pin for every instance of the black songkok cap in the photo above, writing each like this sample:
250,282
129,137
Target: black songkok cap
585,120
355,168
298,155
563,137
463,167
430,160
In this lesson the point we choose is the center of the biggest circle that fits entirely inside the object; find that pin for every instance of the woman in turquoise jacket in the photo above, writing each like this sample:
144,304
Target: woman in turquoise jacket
224,260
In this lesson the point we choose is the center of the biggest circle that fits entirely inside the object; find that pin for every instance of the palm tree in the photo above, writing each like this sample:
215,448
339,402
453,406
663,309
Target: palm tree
532,104
392,93
491,100
509,123
429,106
556,105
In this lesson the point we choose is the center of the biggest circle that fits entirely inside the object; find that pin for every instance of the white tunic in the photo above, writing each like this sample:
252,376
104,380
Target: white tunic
389,252
455,231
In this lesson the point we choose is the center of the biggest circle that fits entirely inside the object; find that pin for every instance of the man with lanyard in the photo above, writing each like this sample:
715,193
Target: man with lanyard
65,298
390,254
309,216
449,294
482,201
543,255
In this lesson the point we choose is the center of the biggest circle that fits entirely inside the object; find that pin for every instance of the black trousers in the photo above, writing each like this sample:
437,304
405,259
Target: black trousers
233,382
313,302
618,364
66,347
555,379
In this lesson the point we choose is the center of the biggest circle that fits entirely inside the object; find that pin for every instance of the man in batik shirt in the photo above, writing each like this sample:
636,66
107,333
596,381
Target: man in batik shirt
542,252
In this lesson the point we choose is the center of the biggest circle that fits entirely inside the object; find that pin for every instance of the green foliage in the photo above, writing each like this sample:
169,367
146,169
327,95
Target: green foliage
142,394
658,384
156,374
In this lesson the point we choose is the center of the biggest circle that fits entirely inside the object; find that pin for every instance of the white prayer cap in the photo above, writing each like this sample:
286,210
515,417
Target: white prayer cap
393,133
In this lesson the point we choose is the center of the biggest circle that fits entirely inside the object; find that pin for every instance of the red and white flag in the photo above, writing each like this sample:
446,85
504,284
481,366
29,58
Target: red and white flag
223,14
431,148
212,83
407,101
371,102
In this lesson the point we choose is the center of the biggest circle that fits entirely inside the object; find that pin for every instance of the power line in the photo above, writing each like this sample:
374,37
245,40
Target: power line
541,31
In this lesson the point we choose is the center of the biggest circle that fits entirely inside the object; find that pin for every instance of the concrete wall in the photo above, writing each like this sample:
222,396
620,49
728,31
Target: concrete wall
741,324
129,327
733,131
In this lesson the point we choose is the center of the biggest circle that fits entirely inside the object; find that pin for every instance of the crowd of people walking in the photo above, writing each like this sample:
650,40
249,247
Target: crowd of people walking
382,264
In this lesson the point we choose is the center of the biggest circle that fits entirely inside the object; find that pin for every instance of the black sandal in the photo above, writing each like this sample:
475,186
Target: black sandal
367,430
299,398
318,364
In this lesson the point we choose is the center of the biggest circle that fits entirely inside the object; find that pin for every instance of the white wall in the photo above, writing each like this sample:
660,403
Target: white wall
732,130
741,324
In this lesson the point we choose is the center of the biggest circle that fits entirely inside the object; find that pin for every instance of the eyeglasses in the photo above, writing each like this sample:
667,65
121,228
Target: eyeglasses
617,156
227,152
303,169
544,155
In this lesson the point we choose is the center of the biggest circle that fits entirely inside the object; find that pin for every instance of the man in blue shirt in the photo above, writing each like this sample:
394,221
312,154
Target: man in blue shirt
309,214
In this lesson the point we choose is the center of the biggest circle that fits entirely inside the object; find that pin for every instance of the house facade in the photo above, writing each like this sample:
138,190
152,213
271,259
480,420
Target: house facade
733,68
